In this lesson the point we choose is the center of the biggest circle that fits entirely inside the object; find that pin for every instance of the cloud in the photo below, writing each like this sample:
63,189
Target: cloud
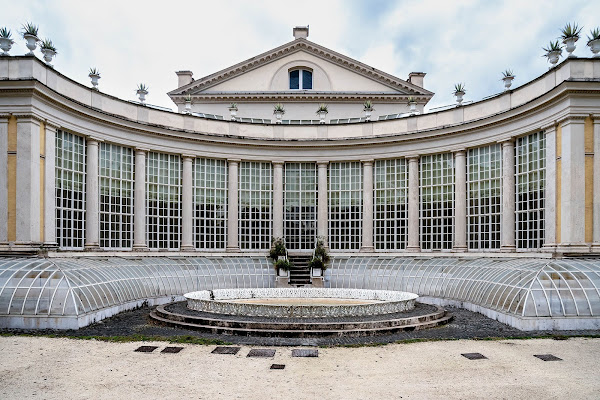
147,41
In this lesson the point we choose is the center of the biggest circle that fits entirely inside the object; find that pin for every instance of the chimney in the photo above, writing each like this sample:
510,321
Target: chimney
416,78
185,77
301,32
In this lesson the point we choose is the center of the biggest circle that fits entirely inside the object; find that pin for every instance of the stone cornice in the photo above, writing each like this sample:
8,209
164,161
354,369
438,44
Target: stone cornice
291,48
301,96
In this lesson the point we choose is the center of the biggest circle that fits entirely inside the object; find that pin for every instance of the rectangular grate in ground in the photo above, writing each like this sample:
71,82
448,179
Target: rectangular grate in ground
261,353
146,349
474,356
547,357
225,350
171,349
277,366
305,353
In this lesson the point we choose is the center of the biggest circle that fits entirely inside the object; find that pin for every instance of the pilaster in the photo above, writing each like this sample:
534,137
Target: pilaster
507,240
50,187
139,201
460,203
413,205
3,180
232,207
596,186
367,228
550,190
187,240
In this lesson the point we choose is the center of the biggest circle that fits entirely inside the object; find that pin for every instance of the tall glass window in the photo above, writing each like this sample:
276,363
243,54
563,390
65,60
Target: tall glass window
345,205
484,183
437,201
116,196
300,190
255,205
210,203
163,201
390,204
70,190
530,168
301,79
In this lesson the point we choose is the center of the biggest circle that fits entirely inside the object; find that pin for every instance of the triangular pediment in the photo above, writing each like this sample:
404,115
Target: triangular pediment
242,76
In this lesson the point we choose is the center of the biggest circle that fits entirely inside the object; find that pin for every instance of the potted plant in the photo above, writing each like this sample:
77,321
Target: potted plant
459,92
553,52
6,41
233,109
94,76
368,109
507,77
30,34
412,103
278,110
282,266
48,50
277,249
569,35
320,259
142,91
188,104
322,112
594,41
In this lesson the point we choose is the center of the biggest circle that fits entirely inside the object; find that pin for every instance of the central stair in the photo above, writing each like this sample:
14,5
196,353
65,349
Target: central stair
299,272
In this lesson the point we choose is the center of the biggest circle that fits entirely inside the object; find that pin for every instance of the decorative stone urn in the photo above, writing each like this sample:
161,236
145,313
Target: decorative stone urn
233,112
595,47
32,41
317,272
413,106
459,97
188,106
570,45
142,95
6,45
278,116
507,82
553,57
284,273
368,112
94,78
322,115
48,55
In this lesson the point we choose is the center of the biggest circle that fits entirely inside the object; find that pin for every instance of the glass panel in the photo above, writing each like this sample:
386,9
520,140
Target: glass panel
295,79
306,79
255,205
390,217
437,201
345,205
300,191
210,203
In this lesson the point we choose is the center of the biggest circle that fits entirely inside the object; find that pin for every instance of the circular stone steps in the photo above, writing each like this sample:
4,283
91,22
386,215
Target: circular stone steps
173,315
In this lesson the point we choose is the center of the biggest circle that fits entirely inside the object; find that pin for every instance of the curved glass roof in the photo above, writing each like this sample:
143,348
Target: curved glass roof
521,287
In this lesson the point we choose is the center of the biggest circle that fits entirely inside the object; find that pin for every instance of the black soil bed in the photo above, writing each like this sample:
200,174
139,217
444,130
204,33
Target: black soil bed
465,325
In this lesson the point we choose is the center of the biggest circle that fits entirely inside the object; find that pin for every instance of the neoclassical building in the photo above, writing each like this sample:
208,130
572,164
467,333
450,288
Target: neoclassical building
493,205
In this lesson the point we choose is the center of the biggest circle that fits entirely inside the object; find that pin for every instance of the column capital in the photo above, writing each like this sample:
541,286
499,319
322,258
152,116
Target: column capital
141,150
367,162
322,163
187,157
413,158
572,119
460,153
278,163
507,142
93,140
51,124
24,117
549,127
234,160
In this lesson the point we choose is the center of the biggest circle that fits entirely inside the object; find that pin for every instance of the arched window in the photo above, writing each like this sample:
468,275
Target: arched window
301,79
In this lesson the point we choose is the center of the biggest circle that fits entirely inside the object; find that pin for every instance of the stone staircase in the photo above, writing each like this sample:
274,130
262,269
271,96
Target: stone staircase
299,273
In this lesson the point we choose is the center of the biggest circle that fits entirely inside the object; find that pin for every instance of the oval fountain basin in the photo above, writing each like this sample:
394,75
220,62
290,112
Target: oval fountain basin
301,302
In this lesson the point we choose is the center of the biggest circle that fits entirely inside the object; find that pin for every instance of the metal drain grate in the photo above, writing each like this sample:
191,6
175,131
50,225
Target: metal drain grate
225,350
305,353
277,366
261,353
474,356
172,349
547,357
146,349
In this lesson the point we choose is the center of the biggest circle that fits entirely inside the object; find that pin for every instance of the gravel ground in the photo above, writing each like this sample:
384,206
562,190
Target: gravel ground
465,325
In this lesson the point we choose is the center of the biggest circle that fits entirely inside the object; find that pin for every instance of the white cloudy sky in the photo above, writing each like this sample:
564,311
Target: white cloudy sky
452,41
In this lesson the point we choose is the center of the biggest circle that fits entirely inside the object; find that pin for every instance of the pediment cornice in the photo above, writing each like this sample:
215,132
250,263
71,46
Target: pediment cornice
291,48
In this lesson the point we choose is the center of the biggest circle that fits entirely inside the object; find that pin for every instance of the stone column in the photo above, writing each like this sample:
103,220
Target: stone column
3,180
50,188
367,228
91,196
232,207
27,182
278,199
413,205
460,203
550,201
187,240
507,241
139,201
322,219
596,185
572,196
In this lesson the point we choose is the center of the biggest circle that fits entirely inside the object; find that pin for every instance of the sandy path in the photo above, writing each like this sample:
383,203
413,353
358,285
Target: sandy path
43,368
